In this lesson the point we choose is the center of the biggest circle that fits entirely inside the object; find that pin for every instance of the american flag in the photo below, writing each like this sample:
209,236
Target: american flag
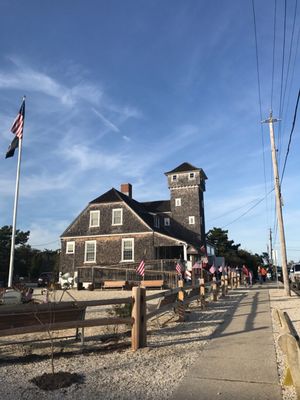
212,269
245,270
197,265
141,268
17,129
203,249
178,268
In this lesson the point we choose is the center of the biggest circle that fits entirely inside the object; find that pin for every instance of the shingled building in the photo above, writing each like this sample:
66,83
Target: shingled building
116,229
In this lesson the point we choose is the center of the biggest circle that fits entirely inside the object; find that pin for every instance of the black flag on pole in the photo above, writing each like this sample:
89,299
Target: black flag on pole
17,129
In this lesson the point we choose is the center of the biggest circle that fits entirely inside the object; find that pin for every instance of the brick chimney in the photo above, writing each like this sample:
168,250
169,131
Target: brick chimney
126,188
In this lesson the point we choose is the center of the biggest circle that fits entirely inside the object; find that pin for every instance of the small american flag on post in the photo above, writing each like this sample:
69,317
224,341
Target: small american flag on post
141,268
17,129
178,268
212,269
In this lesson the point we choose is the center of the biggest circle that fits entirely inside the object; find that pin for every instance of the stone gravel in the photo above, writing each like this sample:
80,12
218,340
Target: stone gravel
117,373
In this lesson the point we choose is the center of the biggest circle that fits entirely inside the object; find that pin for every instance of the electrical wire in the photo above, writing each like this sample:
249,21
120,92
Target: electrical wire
232,211
44,244
246,212
290,53
281,83
260,108
273,62
290,138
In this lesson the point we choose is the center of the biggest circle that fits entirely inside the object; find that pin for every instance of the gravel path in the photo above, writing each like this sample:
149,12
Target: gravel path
111,370
150,373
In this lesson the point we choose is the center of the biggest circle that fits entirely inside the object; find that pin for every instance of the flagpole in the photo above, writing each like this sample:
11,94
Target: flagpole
13,233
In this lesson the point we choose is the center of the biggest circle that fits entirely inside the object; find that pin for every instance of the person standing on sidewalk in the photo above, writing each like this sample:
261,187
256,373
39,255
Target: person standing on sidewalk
259,274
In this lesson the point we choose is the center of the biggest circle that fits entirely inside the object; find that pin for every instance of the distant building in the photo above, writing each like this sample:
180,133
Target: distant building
116,229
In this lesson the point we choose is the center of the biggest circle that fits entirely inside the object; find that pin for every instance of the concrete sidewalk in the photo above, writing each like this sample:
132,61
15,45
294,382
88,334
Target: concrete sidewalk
240,361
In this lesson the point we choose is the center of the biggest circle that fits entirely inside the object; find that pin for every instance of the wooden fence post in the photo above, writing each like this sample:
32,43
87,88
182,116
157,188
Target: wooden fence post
226,284
223,285
234,280
214,289
202,293
231,280
238,279
181,307
193,278
139,326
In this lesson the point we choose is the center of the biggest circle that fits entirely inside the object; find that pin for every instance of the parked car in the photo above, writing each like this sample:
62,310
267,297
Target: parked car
45,279
294,275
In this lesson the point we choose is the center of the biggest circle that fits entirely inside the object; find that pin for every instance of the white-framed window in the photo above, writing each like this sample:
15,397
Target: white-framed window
167,221
90,251
177,202
117,216
174,178
94,218
191,175
127,249
192,220
156,221
70,248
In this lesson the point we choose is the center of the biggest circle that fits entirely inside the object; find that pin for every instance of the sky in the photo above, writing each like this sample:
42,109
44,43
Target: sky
122,91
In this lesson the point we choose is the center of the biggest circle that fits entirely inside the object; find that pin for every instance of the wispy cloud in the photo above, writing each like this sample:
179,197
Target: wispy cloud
106,122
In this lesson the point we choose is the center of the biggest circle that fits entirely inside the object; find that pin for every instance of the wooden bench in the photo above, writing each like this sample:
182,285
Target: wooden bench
114,285
153,284
31,318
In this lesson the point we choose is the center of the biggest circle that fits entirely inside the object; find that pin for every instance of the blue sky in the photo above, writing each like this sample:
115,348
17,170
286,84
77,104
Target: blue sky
123,91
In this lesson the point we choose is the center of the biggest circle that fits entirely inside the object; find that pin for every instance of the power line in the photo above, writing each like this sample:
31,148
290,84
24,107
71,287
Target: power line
290,52
281,83
273,63
44,244
246,212
260,107
290,138
232,211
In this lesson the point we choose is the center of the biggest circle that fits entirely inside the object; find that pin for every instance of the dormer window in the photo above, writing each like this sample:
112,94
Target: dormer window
117,216
174,178
156,221
94,218
167,221
192,220
191,176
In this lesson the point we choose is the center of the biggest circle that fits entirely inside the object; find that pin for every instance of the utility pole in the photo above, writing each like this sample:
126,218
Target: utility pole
270,248
279,207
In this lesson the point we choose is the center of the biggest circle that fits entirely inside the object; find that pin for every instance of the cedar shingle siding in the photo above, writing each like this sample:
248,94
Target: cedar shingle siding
140,222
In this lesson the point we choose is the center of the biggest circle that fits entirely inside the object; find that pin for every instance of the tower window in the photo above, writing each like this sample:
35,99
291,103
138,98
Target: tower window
177,202
191,175
174,178
192,220
167,221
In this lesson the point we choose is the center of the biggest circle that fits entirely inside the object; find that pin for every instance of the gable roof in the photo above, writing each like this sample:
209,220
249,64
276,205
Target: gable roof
141,209
114,196
185,167
159,206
